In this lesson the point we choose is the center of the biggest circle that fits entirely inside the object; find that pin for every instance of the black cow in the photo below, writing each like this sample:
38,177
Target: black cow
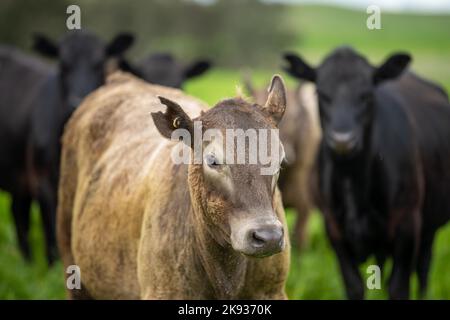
21,78
42,106
165,70
383,164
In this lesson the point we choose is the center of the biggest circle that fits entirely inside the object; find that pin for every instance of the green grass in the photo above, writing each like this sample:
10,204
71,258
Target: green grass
19,280
314,272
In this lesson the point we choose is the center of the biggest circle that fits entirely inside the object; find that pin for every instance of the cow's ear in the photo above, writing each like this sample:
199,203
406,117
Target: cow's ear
392,67
298,68
45,46
127,66
196,68
276,100
172,119
120,44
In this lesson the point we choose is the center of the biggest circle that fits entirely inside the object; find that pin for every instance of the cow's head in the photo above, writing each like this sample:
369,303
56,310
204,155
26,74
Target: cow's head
164,69
345,84
82,58
236,199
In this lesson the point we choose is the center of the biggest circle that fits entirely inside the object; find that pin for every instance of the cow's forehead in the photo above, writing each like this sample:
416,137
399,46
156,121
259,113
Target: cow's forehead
161,58
349,69
236,114
81,44
159,67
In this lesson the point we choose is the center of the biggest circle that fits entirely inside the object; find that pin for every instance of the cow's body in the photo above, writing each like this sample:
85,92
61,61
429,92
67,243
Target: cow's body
390,202
17,67
22,77
37,99
382,165
126,215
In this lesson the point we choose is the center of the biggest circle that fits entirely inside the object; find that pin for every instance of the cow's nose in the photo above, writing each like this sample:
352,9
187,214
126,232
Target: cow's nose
267,238
342,142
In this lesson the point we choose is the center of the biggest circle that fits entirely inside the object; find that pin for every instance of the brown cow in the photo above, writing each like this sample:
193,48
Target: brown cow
140,226
300,133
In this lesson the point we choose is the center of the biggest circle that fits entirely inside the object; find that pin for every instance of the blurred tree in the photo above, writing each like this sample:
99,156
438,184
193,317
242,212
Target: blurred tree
19,19
233,33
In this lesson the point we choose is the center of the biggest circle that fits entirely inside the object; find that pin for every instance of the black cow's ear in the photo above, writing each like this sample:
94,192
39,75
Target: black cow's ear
45,46
392,67
120,44
298,68
174,118
196,68
126,66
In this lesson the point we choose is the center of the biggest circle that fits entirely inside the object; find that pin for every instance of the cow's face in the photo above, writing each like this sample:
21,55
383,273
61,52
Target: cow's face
164,69
82,58
237,199
345,84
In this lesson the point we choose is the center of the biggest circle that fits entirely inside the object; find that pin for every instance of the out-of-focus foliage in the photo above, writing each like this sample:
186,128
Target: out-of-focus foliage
233,32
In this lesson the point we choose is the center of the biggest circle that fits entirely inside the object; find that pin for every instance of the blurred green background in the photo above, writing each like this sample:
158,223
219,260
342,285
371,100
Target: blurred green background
236,35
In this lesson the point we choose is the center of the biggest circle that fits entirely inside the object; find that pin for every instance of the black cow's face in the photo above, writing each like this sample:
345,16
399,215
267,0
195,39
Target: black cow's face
345,92
164,69
82,57
345,84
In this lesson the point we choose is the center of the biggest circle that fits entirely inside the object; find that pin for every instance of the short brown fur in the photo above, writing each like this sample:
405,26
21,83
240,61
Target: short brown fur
130,218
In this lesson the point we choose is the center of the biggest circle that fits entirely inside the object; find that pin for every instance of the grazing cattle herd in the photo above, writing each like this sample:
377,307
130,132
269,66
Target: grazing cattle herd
92,139
33,117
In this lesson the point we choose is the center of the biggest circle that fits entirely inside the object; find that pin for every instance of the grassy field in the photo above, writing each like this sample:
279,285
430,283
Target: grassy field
314,272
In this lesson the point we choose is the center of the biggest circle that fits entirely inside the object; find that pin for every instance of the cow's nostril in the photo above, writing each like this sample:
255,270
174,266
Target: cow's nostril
267,237
258,239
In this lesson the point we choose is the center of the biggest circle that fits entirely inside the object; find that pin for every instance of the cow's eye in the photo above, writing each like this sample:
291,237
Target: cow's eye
212,161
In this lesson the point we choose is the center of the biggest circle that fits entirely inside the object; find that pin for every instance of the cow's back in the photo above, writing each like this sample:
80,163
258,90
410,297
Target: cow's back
430,109
120,164
21,77
300,132
20,74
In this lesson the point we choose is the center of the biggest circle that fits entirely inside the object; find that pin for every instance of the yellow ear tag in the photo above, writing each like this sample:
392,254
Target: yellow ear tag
176,122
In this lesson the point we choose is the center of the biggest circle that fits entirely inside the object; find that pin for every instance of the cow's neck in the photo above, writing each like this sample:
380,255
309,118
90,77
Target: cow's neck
224,269
220,266
353,175
353,178
353,185
345,184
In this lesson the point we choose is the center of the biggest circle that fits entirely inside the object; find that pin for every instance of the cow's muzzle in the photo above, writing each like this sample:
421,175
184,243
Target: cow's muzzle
342,142
258,238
